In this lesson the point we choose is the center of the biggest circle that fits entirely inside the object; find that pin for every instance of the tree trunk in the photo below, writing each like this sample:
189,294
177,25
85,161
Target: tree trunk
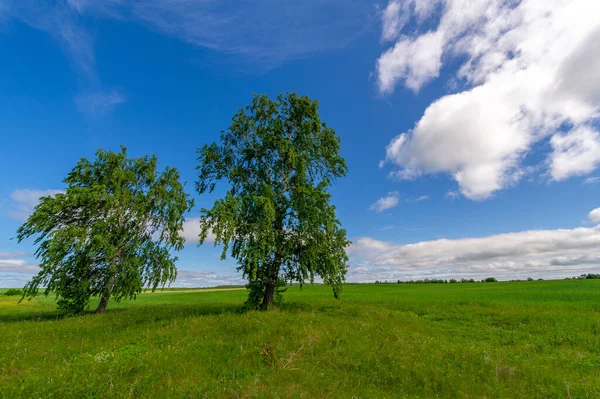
271,285
106,295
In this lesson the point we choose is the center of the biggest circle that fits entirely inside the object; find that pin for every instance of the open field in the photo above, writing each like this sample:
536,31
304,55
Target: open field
513,340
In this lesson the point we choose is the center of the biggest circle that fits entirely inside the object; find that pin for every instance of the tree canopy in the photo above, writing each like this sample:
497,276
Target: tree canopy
276,219
110,233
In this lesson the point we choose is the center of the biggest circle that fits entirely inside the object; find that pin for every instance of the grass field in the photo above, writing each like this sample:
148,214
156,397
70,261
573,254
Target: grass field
536,339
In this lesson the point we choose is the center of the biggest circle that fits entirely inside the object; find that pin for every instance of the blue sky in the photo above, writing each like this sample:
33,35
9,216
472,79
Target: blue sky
471,135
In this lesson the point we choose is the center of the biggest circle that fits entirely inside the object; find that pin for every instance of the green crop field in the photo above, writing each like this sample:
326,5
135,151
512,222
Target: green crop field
536,339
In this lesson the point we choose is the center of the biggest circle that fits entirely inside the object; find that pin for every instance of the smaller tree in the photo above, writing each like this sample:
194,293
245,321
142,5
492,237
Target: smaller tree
110,234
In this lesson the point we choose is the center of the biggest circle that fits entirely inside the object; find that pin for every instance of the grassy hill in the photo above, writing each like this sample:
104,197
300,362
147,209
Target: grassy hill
512,340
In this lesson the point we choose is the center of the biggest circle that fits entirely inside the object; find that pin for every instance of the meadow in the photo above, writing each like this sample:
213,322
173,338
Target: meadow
538,339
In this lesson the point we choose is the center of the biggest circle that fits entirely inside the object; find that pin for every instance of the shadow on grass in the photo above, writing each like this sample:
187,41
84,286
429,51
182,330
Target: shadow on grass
15,317
143,313
154,313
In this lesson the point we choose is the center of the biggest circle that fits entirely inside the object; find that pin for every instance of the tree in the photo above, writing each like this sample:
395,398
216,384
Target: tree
279,160
110,233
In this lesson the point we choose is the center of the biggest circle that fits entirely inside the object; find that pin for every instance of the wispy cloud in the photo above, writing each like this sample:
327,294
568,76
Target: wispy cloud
99,103
23,202
592,180
264,33
391,200
452,195
63,21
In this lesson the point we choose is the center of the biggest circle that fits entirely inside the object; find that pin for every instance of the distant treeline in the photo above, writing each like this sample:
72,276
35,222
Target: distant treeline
588,276
440,281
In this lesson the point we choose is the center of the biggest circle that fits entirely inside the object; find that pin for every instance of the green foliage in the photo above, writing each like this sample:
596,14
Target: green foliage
501,340
13,292
110,233
276,219
490,280
589,276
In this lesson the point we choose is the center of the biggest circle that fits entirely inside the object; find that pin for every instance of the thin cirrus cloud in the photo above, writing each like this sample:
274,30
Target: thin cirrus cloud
259,34
268,32
64,23
529,72
540,253
592,180
264,33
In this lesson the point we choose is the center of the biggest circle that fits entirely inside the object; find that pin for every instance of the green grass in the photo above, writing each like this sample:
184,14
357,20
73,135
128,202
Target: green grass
509,340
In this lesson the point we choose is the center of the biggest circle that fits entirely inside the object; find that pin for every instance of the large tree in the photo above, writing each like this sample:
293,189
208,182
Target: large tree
276,219
110,234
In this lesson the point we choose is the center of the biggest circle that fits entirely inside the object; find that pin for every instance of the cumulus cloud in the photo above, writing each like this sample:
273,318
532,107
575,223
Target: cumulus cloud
14,270
191,231
391,200
18,266
575,153
205,278
23,201
530,72
546,253
594,215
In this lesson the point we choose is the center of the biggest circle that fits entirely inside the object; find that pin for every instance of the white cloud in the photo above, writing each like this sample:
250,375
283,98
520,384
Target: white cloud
592,180
392,20
531,71
23,201
391,200
546,253
594,215
575,153
415,62
18,266
191,231
204,278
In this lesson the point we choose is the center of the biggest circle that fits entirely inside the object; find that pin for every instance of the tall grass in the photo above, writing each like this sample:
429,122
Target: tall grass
511,340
